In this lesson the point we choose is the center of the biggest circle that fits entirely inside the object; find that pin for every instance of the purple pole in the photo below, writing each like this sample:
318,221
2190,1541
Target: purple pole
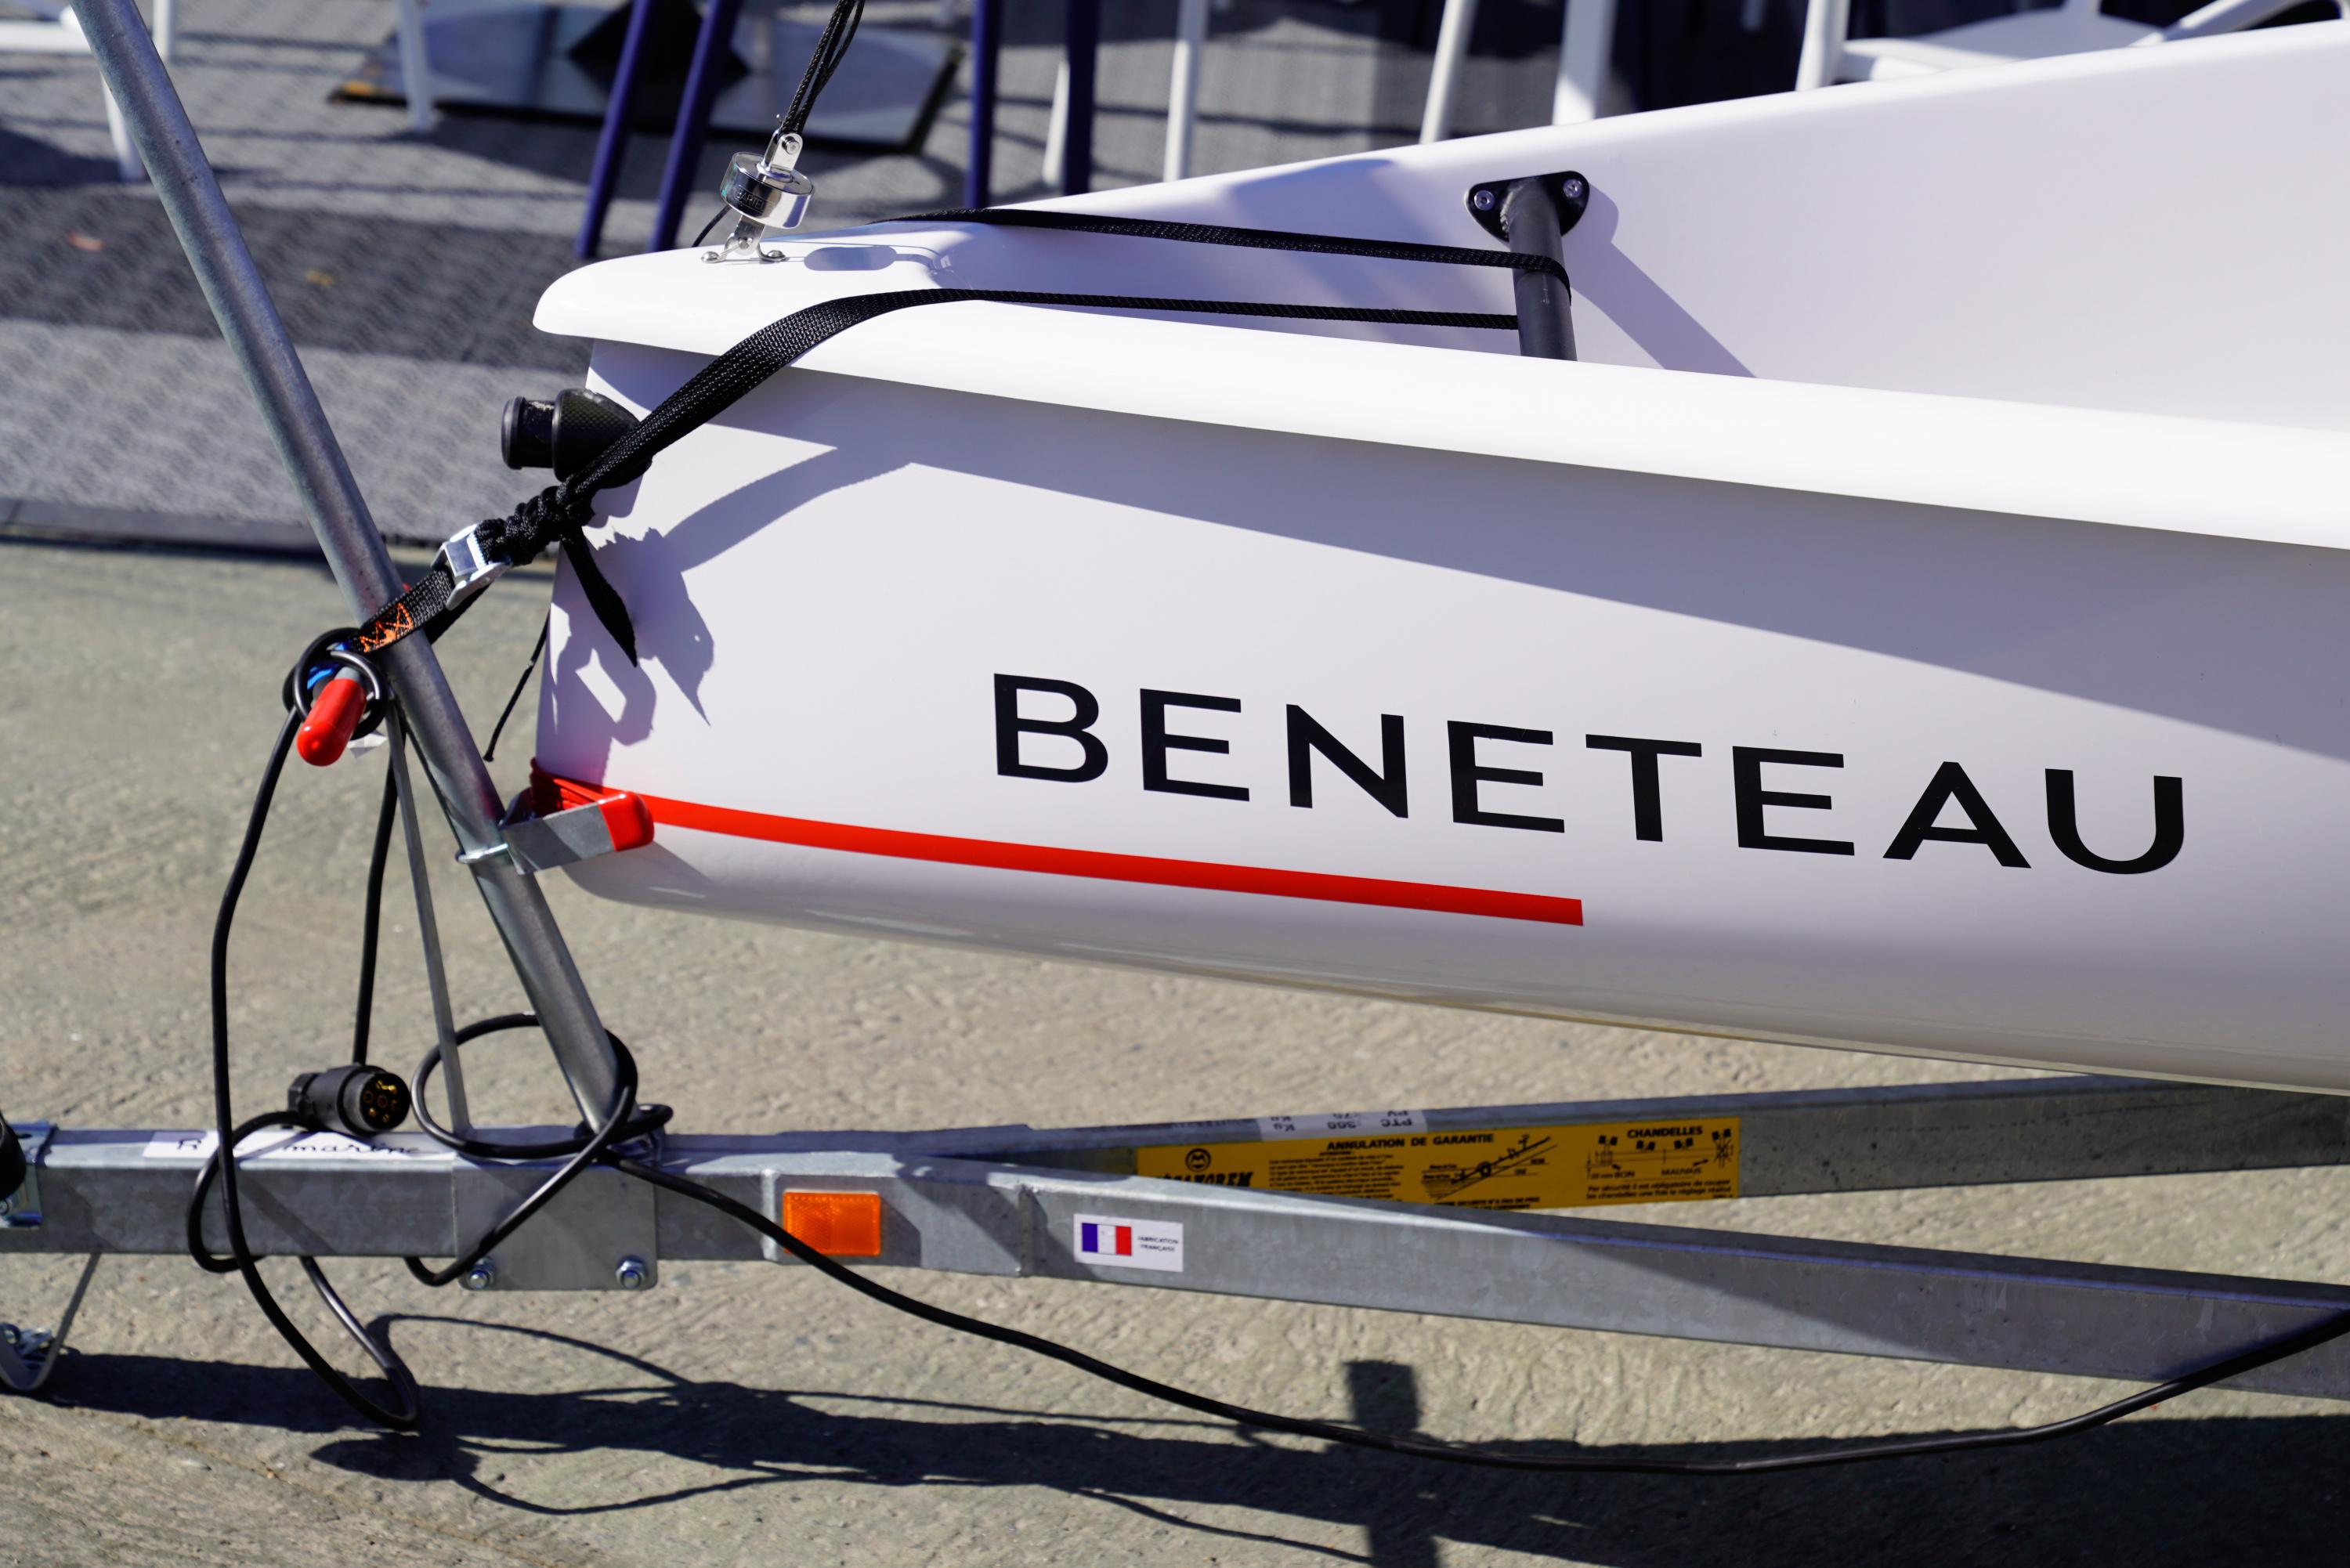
986,46
1077,144
693,120
612,142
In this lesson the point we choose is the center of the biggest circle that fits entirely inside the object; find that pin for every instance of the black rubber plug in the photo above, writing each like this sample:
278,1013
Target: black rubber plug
566,434
361,1101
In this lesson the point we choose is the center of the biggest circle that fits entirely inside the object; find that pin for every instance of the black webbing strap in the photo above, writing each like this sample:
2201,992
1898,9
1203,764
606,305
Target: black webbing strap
517,539
560,514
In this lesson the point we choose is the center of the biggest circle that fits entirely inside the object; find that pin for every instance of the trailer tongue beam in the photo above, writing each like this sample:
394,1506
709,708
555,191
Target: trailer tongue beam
1018,1202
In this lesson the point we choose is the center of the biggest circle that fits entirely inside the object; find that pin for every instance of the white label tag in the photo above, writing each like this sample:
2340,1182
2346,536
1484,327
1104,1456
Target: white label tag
279,1143
1130,1243
1338,1123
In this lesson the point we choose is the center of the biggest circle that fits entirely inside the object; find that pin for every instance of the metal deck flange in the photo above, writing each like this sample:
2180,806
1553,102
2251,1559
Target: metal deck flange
1487,198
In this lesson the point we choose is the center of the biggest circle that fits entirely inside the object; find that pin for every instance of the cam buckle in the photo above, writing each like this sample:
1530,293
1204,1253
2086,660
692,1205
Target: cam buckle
471,567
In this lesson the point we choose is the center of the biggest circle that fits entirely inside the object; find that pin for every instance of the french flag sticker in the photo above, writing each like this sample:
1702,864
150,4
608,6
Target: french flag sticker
1130,1243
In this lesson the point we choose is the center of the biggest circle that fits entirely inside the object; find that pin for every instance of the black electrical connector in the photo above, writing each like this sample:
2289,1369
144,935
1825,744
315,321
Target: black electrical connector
359,1101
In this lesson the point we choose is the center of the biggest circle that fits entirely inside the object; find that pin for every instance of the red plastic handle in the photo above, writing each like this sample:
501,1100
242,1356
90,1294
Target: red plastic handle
334,714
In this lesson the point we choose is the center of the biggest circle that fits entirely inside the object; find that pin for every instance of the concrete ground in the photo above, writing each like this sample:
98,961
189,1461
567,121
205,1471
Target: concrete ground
749,1414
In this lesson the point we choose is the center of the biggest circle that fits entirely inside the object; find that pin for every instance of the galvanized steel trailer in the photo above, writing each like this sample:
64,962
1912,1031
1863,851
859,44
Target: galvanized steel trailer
1017,1201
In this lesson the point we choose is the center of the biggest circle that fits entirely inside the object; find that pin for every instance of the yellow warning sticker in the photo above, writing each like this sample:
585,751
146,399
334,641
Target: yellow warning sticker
1497,1168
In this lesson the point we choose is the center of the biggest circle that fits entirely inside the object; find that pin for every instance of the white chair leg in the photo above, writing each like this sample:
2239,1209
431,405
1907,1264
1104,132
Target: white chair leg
167,28
1451,43
1584,44
1184,87
1057,124
415,65
126,157
1823,31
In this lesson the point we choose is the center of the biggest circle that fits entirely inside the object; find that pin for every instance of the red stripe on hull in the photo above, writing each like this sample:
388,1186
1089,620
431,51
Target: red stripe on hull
1101,865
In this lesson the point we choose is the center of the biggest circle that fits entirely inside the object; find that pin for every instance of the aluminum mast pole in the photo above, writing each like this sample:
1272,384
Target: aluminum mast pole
346,533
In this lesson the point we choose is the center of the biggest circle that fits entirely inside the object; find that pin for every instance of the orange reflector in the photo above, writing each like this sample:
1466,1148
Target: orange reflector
838,1224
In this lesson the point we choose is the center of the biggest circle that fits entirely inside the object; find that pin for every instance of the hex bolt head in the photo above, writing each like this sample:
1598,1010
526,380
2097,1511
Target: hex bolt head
1571,188
631,1274
1482,201
481,1276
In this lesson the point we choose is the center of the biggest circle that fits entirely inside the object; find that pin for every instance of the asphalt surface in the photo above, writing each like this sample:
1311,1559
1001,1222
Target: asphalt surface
749,1414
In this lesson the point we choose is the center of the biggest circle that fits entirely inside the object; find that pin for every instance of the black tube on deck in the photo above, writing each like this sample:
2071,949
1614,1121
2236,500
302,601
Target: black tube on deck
1533,219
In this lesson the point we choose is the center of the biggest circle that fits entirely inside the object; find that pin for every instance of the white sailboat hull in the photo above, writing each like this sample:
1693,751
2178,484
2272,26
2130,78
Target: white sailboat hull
1965,726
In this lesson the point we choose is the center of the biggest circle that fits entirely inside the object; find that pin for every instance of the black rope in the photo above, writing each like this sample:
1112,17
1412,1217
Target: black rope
560,514
1244,239
831,45
716,387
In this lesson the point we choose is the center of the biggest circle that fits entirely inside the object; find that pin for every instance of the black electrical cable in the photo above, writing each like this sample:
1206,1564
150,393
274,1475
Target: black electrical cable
223,1164
622,1123
2235,1366
715,219
371,923
490,751
625,1121
644,1119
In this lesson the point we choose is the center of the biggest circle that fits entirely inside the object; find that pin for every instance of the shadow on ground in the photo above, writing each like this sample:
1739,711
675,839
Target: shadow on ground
2152,1489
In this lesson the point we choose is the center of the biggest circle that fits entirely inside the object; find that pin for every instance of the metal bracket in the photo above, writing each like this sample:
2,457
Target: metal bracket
27,1355
565,837
1487,197
21,1209
600,1233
